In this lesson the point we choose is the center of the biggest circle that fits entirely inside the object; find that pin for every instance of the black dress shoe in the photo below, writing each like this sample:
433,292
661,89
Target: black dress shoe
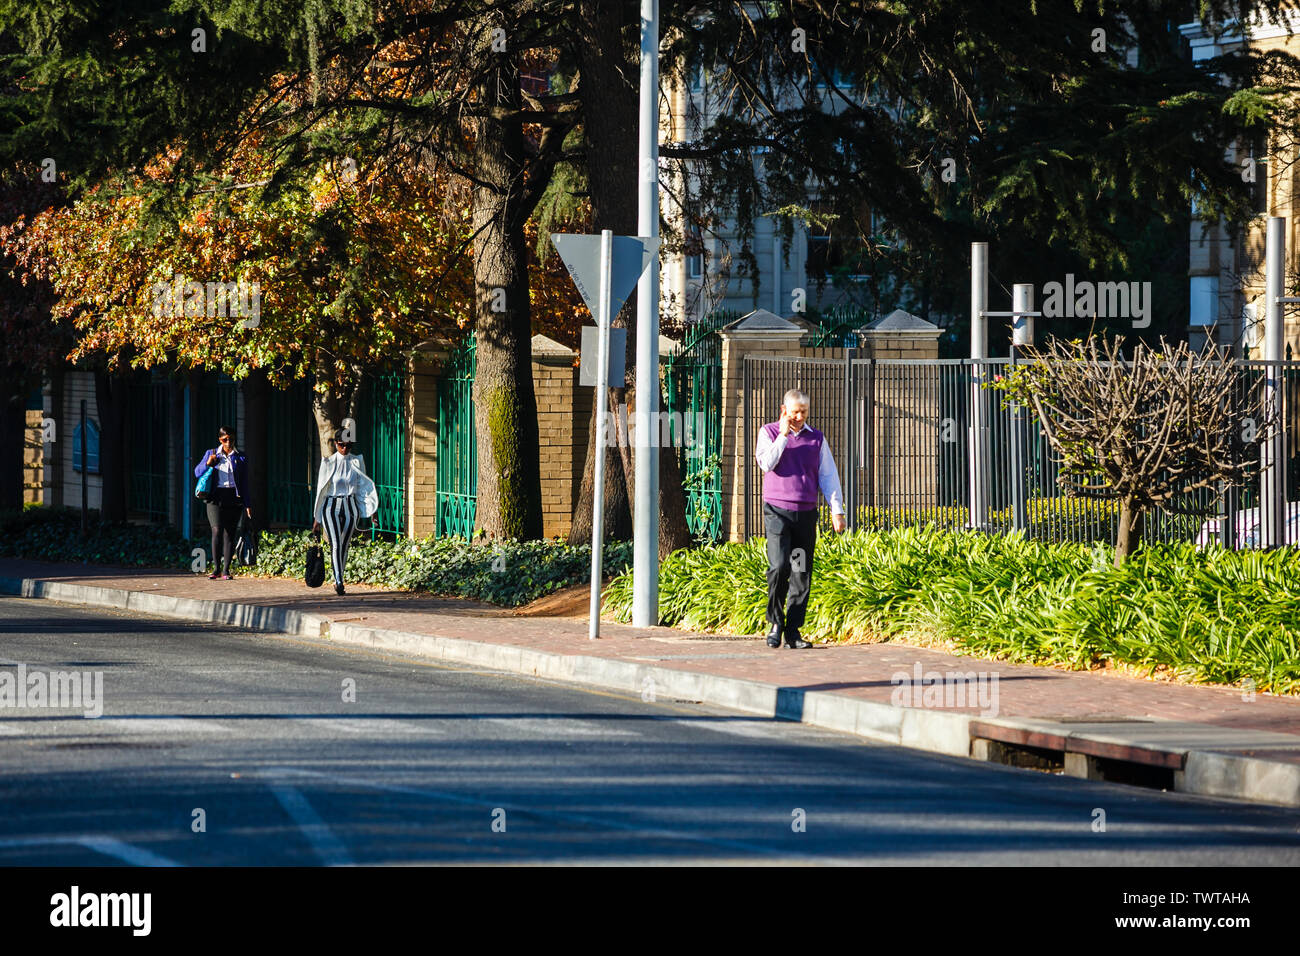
774,637
338,589
793,640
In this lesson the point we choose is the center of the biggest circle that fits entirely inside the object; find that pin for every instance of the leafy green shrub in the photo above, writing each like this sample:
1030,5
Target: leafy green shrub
54,534
1206,616
509,573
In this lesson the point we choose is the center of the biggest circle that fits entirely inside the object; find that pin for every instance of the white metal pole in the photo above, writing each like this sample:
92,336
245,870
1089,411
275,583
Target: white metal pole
979,349
1022,334
1272,498
645,505
602,415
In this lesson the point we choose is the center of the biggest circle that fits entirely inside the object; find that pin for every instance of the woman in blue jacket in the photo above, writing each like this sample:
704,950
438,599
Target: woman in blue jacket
230,495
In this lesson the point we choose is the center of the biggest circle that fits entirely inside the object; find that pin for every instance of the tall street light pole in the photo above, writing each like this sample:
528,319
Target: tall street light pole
645,511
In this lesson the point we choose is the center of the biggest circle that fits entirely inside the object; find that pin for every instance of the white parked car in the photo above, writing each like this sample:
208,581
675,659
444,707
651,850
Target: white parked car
1248,534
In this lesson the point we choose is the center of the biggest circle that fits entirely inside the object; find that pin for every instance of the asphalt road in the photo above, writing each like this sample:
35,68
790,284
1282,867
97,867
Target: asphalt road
251,736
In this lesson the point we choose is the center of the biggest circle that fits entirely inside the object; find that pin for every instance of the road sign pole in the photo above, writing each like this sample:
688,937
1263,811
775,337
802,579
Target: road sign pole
978,449
645,509
1273,497
1022,335
602,409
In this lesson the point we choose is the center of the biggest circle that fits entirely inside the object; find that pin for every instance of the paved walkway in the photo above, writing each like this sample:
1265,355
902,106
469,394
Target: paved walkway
1222,719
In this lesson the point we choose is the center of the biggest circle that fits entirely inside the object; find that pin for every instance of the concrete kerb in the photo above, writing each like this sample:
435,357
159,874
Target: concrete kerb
1228,775
1204,773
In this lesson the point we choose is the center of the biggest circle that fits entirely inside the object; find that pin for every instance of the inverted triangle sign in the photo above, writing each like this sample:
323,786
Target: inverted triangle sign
631,256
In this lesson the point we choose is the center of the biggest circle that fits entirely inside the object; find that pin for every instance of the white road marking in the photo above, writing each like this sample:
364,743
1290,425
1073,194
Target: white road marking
367,725
322,839
557,727
136,856
162,725
741,728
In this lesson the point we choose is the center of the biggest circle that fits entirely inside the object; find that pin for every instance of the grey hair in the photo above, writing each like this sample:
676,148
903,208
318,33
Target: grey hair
794,397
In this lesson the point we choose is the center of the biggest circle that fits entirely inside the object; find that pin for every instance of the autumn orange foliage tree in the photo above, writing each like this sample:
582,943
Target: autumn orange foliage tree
352,266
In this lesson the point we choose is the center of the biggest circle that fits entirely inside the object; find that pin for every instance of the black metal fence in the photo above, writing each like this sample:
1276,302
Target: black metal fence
901,434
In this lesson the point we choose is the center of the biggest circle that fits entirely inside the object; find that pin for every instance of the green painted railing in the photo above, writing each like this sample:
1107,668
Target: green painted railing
381,428
457,487
692,395
839,325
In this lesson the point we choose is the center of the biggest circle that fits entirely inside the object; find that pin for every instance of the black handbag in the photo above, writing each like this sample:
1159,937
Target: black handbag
246,543
315,575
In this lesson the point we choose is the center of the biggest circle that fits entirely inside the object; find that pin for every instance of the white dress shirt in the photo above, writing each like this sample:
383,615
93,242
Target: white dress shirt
341,474
225,471
768,453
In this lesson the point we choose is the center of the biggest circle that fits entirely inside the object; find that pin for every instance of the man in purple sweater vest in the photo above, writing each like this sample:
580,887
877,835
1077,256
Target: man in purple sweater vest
796,461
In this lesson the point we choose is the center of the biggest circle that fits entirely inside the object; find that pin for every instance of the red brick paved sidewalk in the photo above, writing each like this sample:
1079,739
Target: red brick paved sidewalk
861,671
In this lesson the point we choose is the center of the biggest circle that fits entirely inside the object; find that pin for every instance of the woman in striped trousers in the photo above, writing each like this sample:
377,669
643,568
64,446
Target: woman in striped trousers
344,494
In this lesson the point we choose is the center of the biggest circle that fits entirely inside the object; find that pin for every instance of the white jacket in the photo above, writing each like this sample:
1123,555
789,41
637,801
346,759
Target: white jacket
353,469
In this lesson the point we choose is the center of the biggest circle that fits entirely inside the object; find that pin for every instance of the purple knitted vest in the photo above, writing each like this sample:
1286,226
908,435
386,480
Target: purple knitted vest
792,484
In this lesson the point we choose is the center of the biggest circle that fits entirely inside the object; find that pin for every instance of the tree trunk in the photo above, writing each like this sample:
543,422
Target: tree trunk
257,402
1128,537
617,510
113,398
330,409
505,407
13,434
609,51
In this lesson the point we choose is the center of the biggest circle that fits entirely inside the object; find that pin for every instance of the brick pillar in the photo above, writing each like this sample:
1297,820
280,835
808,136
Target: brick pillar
422,441
563,410
759,333
33,457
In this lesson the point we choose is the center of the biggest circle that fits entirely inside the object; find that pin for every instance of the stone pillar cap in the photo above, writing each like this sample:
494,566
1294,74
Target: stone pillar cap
900,321
761,320
548,346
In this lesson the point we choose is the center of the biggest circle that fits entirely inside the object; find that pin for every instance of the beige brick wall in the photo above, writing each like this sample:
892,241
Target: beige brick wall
33,458
563,414
422,463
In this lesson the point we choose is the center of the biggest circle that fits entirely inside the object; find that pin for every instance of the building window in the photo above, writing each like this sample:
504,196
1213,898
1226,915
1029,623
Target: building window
1204,304
92,448
693,251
